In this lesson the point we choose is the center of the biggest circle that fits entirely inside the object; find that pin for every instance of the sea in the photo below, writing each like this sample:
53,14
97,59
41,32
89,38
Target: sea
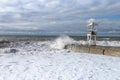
44,58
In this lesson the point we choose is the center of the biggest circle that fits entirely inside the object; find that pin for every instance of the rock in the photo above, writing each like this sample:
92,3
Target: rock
27,42
4,43
11,51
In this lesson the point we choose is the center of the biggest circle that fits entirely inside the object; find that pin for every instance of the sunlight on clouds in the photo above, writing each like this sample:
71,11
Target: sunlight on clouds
31,6
84,2
8,1
52,4
41,1
8,9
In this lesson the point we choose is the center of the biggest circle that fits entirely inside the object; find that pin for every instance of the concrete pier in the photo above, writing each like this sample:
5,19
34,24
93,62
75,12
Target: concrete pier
102,50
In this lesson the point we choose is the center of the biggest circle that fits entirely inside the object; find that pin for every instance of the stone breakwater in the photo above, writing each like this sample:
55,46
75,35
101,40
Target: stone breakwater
4,43
102,50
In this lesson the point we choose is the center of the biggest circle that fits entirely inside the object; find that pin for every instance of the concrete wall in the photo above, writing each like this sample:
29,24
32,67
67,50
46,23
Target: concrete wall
111,51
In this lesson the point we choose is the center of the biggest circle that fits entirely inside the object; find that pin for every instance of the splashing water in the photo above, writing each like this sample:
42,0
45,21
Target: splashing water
60,42
109,43
103,43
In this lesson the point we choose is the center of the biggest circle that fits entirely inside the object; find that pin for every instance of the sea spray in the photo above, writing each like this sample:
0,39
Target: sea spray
102,43
60,42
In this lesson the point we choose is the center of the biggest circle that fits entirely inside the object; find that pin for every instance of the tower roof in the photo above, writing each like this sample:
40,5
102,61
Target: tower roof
92,23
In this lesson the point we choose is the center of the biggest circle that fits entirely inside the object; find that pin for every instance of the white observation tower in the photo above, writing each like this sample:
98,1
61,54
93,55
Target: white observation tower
92,32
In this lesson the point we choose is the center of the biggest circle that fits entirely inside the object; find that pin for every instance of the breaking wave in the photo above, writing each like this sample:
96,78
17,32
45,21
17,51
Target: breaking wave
60,42
109,43
103,43
49,46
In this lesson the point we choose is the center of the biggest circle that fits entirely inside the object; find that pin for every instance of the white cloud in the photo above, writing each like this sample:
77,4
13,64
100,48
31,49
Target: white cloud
31,6
41,1
52,4
17,16
9,9
57,12
84,2
8,1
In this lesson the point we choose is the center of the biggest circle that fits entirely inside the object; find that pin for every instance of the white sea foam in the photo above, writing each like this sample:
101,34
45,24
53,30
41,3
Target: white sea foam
60,42
103,43
109,43
47,60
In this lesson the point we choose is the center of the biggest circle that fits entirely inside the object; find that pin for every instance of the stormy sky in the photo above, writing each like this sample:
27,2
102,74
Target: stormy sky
58,16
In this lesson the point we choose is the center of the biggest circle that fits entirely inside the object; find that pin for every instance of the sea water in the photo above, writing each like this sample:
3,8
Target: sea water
33,58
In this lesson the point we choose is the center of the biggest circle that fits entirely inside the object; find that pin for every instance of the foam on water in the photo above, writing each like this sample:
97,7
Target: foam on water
109,43
50,46
60,42
47,60
103,43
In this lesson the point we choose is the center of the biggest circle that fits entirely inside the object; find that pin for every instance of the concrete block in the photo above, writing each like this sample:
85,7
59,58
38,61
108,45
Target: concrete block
102,50
97,50
112,51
